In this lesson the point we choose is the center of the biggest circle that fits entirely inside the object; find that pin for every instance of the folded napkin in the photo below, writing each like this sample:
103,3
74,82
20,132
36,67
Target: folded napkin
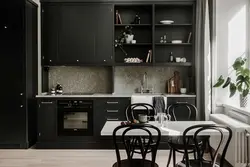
159,104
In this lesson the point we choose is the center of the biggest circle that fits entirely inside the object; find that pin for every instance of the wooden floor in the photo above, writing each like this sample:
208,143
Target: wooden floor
66,158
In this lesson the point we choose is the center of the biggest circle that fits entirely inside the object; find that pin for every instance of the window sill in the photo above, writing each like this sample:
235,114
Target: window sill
244,111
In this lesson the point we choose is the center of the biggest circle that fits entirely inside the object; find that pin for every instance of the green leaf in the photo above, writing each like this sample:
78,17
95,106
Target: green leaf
240,78
220,81
238,63
232,89
246,72
228,81
245,92
240,88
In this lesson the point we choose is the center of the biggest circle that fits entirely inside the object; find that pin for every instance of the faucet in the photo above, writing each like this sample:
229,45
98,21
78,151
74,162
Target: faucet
144,84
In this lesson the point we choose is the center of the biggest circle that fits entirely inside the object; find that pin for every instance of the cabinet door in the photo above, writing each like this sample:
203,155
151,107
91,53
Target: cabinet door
47,121
104,33
50,24
76,35
182,112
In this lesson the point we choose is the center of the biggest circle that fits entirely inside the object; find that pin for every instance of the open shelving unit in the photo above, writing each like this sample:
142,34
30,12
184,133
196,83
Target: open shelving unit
149,32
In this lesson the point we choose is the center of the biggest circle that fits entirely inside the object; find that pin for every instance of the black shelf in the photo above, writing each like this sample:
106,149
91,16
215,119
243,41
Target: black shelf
169,25
187,64
133,25
134,64
171,44
138,44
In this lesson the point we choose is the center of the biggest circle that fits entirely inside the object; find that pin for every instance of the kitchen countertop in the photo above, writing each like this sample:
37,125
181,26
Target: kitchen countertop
46,95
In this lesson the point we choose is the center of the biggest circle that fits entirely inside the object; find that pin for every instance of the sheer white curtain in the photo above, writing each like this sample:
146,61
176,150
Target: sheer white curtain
203,52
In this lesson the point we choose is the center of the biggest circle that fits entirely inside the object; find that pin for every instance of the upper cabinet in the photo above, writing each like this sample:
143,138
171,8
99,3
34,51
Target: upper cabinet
79,34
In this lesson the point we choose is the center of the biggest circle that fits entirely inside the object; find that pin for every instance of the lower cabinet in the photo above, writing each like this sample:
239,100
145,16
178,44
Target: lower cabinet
47,120
108,109
181,112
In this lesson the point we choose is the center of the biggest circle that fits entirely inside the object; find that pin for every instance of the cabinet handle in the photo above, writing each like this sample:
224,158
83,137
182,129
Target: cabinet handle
112,102
112,119
178,102
112,111
46,102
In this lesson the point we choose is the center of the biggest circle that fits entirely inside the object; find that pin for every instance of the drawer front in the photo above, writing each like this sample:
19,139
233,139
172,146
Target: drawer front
172,100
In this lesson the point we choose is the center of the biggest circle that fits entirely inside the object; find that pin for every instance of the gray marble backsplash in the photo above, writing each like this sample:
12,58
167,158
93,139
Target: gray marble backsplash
82,79
99,79
128,79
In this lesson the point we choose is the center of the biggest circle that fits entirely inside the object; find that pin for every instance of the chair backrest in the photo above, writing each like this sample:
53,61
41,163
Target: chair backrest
223,132
132,110
146,130
182,111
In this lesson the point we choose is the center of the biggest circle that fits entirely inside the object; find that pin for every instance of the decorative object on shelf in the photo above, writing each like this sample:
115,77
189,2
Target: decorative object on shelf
173,84
59,88
118,19
149,57
133,60
52,91
189,37
176,41
126,35
242,83
133,42
171,57
178,59
166,21
165,38
137,19
161,41
183,90
183,60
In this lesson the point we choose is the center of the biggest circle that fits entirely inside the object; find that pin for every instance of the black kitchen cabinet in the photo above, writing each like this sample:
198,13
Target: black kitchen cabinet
109,109
18,50
50,35
77,34
47,121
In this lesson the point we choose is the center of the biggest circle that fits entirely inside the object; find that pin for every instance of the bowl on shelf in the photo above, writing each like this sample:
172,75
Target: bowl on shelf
176,41
166,21
132,60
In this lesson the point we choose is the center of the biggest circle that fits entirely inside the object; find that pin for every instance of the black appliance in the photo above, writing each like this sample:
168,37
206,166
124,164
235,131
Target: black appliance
18,65
75,117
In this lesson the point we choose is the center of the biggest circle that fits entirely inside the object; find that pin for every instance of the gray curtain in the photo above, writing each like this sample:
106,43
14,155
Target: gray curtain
204,39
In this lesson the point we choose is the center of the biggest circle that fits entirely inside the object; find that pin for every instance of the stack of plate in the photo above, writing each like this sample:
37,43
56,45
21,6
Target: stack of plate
166,21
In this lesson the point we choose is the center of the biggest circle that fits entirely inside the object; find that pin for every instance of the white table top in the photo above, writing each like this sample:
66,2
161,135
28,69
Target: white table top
172,128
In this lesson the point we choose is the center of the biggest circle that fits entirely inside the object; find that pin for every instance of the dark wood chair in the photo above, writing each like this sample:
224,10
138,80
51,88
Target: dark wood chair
222,131
128,144
132,113
176,143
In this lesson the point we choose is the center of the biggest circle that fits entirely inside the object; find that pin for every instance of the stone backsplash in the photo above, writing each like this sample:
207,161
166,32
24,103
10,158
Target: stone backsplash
99,79
128,79
82,79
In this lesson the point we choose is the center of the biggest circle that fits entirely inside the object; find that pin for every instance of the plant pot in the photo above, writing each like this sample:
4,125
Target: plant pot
243,101
129,38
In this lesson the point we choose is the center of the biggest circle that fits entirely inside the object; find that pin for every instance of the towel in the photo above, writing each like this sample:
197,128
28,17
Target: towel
159,104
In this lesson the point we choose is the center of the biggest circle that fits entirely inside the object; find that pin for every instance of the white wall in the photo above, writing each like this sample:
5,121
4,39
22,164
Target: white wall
231,41
39,46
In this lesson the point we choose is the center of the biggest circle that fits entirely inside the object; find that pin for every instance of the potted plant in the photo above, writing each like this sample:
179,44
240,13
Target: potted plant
129,36
242,82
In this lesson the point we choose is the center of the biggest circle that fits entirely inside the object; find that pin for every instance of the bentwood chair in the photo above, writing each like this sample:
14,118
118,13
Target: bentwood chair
146,130
132,113
224,133
181,111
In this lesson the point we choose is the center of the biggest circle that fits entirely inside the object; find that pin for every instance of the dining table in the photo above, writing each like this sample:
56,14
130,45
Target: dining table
170,128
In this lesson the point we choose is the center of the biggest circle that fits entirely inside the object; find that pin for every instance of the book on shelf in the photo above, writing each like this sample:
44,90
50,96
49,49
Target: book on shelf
118,19
189,37
149,57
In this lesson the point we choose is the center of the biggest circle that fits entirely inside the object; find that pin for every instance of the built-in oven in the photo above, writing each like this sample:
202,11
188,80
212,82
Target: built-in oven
75,117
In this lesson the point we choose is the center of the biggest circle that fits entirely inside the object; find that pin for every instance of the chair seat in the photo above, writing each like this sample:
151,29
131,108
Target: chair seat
177,142
196,163
135,163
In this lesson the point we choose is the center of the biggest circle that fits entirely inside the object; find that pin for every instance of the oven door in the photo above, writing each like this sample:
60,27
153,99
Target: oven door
75,122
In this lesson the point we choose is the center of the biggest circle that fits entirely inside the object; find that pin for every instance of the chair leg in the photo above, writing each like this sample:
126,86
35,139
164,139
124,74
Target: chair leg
174,158
210,150
153,154
195,155
169,157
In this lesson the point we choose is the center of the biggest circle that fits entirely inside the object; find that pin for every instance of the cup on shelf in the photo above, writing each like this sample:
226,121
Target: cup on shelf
178,59
184,60
133,41
183,90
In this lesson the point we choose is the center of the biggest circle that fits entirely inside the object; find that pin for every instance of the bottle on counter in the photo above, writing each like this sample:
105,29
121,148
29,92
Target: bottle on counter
171,57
